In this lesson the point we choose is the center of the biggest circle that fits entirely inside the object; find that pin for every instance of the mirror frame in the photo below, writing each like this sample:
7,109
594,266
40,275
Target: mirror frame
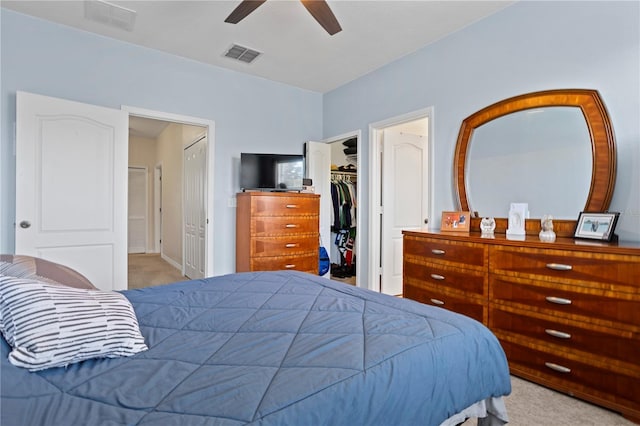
603,144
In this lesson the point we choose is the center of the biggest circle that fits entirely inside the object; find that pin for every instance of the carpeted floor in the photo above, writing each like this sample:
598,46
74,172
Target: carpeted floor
533,405
150,269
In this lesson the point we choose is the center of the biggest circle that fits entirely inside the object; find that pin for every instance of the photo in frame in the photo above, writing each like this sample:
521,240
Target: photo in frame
455,221
596,226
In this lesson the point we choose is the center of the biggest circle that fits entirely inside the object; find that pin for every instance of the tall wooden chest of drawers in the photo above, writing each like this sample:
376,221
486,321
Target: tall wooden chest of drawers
277,231
566,313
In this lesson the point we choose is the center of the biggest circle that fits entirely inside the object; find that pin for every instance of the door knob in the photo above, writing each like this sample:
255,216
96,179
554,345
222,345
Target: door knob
25,224
426,221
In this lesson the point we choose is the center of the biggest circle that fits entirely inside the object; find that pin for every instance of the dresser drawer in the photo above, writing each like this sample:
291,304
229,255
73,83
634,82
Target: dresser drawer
607,308
307,263
567,266
466,306
468,254
568,335
447,276
284,246
284,225
285,206
575,377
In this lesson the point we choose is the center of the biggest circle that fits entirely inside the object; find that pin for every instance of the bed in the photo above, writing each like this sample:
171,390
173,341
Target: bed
273,348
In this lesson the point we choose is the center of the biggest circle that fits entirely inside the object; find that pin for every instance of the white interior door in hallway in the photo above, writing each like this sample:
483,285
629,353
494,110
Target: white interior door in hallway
71,186
404,199
195,166
137,216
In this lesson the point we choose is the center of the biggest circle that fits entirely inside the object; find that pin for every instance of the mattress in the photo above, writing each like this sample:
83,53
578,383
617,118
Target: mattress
272,348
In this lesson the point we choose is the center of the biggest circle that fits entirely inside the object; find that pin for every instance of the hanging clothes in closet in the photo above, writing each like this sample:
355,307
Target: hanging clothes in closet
343,220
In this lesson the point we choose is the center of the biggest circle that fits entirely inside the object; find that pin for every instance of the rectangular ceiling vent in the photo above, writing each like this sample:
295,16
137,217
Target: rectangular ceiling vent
110,14
242,54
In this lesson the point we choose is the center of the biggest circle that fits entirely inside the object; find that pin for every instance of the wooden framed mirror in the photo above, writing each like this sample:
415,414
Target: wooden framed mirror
576,105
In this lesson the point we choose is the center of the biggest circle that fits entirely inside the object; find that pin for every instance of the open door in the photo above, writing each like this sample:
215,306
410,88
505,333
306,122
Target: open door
194,193
404,199
71,186
318,168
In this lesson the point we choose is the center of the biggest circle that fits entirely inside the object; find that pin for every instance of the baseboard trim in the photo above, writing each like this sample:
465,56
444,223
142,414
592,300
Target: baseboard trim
171,262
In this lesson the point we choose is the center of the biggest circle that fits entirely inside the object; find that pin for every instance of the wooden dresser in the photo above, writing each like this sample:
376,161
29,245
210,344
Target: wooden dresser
276,231
567,313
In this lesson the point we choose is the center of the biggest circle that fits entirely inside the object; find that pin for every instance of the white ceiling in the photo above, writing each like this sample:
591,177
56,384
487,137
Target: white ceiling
296,50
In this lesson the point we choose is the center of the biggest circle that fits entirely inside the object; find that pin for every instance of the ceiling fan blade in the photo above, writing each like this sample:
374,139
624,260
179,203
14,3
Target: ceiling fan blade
242,10
320,10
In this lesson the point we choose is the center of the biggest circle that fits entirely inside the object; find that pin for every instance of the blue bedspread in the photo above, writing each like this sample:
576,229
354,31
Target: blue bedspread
270,348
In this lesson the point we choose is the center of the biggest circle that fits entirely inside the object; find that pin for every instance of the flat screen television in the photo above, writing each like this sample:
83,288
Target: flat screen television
271,172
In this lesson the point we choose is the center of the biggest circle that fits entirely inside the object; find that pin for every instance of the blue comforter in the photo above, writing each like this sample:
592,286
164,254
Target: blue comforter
270,348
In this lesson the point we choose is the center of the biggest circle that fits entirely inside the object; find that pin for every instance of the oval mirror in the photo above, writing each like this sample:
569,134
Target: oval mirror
554,150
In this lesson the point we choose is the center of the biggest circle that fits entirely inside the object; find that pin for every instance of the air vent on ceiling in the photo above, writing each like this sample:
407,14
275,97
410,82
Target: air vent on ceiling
241,53
109,14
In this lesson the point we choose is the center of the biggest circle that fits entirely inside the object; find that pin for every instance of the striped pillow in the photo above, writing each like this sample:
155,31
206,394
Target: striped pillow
49,325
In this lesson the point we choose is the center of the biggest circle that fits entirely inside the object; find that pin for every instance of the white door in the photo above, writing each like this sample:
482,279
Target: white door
318,168
195,172
71,186
137,220
404,199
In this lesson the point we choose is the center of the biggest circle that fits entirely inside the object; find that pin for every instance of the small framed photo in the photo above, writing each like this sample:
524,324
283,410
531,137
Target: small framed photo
455,221
596,226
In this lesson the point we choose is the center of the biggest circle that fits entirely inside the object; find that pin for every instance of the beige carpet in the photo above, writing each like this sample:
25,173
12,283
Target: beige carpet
533,405
147,270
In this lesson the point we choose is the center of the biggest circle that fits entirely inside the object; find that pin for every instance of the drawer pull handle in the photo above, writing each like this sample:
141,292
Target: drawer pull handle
292,206
558,334
559,267
291,225
558,368
438,252
437,302
437,277
291,245
289,266
558,300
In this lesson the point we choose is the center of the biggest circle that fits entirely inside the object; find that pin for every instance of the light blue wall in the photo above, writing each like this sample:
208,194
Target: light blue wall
251,114
526,47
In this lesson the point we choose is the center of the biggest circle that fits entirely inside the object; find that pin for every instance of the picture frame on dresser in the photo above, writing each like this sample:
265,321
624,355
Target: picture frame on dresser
455,221
596,226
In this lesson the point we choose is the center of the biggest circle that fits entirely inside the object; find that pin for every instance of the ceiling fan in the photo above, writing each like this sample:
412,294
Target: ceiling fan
319,9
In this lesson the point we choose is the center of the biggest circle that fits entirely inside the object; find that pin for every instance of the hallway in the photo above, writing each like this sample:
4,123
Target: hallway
150,269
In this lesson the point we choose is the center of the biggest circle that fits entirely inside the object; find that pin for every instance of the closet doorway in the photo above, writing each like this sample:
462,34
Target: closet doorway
400,196
343,249
334,167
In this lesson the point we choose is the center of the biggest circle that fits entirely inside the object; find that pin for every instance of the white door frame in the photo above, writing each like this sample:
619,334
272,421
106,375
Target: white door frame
157,205
358,135
375,177
210,132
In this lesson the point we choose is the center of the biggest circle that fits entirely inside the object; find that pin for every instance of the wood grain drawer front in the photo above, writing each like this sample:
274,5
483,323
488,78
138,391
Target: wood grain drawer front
465,306
469,254
606,308
574,376
285,206
284,225
307,263
565,266
446,276
284,246
608,343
